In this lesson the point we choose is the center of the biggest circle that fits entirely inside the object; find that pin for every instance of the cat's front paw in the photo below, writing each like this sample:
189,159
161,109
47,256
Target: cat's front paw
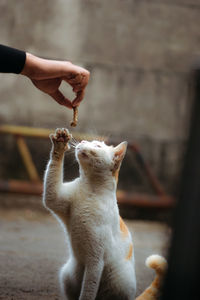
60,140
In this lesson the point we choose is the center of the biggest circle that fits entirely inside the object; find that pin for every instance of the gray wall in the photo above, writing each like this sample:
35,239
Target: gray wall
139,54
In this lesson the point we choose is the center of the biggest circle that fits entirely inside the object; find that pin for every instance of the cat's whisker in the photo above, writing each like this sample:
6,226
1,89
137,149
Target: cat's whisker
73,144
74,140
73,147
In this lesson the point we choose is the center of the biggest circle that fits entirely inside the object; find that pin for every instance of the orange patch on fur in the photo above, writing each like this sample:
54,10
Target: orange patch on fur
123,228
116,174
130,252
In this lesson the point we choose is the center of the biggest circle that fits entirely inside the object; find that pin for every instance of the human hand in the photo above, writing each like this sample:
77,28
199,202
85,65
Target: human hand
47,76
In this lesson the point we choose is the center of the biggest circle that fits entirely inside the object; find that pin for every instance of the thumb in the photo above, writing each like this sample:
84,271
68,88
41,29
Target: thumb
61,99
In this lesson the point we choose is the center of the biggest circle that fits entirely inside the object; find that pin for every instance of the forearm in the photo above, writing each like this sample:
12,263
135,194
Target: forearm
53,197
40,68
54,171
53,181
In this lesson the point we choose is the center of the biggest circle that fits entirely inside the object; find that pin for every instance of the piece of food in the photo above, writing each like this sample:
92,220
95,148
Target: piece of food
75,117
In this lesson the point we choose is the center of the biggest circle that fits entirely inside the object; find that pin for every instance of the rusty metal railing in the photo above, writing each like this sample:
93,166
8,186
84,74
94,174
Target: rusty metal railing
34,185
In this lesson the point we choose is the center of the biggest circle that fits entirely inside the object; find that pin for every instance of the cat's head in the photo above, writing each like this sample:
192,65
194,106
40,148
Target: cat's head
97,157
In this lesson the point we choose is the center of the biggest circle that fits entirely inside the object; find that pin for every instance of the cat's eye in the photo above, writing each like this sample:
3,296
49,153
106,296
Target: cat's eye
98,146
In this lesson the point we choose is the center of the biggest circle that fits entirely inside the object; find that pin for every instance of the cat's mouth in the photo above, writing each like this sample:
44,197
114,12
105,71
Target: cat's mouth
82,154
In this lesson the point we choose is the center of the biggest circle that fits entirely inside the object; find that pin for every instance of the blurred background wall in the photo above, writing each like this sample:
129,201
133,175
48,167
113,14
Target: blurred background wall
138,53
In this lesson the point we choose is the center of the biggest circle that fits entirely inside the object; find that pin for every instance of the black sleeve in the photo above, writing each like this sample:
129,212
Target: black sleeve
11,60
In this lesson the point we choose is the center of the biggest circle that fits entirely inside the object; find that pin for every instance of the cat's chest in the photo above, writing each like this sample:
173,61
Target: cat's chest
93,218
90,210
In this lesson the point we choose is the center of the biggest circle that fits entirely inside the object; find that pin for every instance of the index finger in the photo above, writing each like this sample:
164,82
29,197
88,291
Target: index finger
79,80
79,98
61,99
80,86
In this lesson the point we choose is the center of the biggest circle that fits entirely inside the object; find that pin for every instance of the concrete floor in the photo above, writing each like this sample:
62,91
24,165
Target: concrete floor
32,249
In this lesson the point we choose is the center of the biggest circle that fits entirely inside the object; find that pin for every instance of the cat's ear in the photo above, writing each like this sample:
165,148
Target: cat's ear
119,153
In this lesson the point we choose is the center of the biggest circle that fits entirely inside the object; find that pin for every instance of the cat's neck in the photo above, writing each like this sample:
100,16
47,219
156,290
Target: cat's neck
100,181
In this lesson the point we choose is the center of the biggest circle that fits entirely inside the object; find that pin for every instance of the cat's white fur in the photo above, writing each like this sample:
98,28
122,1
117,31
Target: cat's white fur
101,259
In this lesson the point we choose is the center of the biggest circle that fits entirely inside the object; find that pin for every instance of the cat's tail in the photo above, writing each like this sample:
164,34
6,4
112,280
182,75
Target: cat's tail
159,264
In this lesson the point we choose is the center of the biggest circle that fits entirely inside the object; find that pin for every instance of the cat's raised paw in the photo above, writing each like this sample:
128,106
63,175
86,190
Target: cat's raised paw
60,139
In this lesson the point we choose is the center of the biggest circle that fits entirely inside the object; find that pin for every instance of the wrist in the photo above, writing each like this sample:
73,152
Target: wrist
30,65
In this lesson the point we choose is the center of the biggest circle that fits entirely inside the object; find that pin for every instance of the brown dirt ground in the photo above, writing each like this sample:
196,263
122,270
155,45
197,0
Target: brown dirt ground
32,250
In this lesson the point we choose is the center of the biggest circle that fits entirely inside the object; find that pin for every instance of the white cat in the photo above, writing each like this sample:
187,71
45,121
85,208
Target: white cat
101,256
